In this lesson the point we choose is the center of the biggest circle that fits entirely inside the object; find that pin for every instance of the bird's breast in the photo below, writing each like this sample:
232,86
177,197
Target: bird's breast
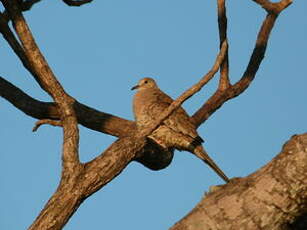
144,105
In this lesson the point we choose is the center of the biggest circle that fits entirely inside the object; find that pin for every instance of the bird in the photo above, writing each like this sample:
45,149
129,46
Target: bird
177,131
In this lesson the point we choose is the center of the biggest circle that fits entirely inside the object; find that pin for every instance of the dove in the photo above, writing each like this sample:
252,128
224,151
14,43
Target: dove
177,131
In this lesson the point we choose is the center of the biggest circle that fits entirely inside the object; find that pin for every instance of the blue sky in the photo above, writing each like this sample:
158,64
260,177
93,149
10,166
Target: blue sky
98,52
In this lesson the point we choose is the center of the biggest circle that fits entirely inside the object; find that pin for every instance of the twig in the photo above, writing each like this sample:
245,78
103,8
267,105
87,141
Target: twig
46,121
76,2
224,82
188,93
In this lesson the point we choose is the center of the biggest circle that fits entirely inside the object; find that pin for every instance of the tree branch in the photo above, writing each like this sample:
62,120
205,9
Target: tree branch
188,93
101,170
81,180
220,97
44,122
271,198
156,158
224,82
13,42
87,116
10,92
49,83
94,175
9,36
273,7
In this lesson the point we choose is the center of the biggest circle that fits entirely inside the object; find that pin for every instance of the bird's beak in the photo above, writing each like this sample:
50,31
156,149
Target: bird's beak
135,87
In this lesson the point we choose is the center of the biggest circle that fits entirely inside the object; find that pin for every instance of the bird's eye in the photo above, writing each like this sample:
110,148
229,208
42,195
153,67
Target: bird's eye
146,82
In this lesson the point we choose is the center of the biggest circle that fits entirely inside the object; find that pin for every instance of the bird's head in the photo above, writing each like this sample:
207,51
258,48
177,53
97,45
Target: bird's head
145,83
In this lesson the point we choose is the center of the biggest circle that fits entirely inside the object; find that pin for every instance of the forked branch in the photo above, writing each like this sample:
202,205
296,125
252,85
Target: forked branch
221,96
98,172
273,7
47,80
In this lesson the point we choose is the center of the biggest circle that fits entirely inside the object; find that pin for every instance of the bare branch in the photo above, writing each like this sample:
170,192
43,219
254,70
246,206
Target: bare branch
13,42
100,171
224,82
32,52
81,180
94,175
220,97
49,83
156,158
87,116
76,2
11,39
46,121
188,93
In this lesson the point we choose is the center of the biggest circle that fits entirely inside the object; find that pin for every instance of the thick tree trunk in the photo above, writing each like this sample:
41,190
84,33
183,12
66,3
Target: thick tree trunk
272,198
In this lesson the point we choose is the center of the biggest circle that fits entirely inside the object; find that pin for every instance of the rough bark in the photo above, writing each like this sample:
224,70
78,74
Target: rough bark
89,179
272,198
274,193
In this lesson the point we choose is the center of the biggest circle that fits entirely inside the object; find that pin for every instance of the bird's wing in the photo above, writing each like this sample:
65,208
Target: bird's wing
179,120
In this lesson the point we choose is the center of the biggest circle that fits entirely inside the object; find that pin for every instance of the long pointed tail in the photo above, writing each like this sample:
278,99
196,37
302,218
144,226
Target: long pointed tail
201,153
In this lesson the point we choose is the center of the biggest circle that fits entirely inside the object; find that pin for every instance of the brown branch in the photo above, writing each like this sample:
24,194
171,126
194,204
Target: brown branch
13,42
156,158
32,53
82,180
94,175
273,7
9,36
224,82
220,97
76,2
49,83
188,93
44,122
271,198
87,116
